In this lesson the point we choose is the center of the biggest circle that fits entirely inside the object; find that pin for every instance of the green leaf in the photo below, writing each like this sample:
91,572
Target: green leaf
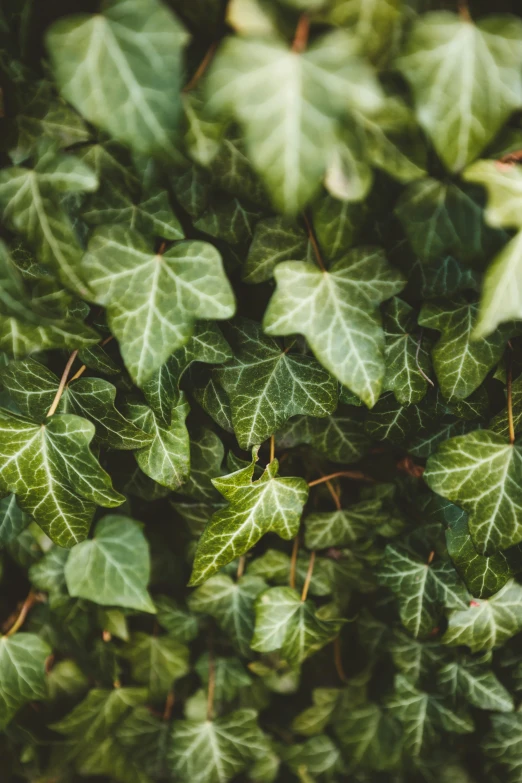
502,744
369,737
416,659
112,569
154,300
206,460
422,589
150,215
178,622
343,527
229,676
275,239
336,311
407,360
12,519
166,459
500,423
340,437
229,219
268,504
30,205
337,224
308,95
102,69
424,717
53,473
214,401
482,473
231,604
156,661
487,623
477,684
318,756
284,622
215,751
207,345
266,385
503,185
374,24
461,361
33,387
447,61
22,673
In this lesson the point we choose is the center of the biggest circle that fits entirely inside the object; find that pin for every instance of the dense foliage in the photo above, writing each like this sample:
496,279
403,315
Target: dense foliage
261,382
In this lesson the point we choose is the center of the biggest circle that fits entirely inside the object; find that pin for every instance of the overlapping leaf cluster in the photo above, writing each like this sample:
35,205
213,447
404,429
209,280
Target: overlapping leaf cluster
260,391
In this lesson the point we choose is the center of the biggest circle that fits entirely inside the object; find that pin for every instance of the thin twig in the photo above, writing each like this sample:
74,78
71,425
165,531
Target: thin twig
202,67
62,383
29,602
431,556
419,368
301,34
84,366
293,561
241,566
335,496
308,577
314,242
464,10
511,424
211,682
338,659
351,474
272,448
169,704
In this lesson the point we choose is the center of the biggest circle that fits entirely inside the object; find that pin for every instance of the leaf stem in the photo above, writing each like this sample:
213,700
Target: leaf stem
293,561
62,383
29,602
84,366
314,242
335,496
301,34
169,705
338,659
241,567
272,448
308,577
511,424
202,67
464,11
357,475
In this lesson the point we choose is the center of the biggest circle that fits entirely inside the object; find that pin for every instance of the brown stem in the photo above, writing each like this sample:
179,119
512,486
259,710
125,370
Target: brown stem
352,474
169,705
314,242
308,577
31,599
293,561
211,683
338,659
84,366
272,448
431,556
301,34
106,636
241,566
464,11
62,383
335,496
202,67
511,424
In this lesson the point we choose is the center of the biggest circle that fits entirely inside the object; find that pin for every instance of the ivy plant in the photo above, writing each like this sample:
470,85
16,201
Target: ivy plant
261,391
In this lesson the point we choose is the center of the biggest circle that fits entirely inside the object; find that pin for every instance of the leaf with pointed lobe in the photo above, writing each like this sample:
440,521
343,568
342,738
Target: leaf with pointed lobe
500,423
374,24
229,676
179,623
343,527
482,473
422,589
151,215
416,659
206,459
229,219
447,60
214,400
156,662
48,574
370,738
122,71
389,420
339,437
22,673
336,223
503,745
477,684
267,384
276,239
267,504
406,357
274,566
112,569
336,310
285,623
316,757
153,300
202,132
12,519
308,96
487,623
440,277
53,473
503,185
231,604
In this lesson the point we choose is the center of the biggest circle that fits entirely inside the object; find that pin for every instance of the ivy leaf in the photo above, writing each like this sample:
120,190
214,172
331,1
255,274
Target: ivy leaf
215,751
112,569
422,589
284,622
166,459
482,473
179,623
229,676
101,69
22,673
343,527
369,737
255,507
374,25
502,744
30,205
487,623
308,96
406,358
500,423
424,717
153,300
316,757
336,311
447,60
156,661
337,224
339,437
12,519
151,215
416,659
266,385
33,387
275,239
206,458
207,345
231,604
53,473
503,185
230,220
477,684
214,401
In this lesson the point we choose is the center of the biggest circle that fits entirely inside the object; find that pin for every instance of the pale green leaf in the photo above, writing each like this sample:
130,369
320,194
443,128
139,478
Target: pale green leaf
12,519
22,673
206,459
275,239
407,359
373,22
477,684
343,527
156,661
503,185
